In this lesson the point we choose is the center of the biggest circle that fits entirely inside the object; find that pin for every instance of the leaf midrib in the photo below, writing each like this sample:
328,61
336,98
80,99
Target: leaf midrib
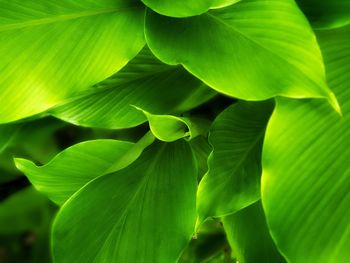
63,18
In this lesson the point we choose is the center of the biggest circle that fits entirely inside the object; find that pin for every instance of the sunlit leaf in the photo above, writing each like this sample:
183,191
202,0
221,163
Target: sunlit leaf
144,213
252,50
52,50
233,179
306,179
249,236
144,82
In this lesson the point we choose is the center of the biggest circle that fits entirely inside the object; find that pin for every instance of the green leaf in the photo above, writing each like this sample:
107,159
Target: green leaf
233,179
326,13
52,50
144,213
169,128
179,8
252,50
249,237
22,211
306,180
71,169
145,82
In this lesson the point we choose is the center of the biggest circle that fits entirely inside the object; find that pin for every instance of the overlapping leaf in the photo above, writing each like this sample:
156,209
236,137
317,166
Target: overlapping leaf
249,236
252,50
306,179
233,178
145,82
144,213
51,50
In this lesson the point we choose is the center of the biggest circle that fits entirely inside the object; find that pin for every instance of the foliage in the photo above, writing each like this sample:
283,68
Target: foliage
175,131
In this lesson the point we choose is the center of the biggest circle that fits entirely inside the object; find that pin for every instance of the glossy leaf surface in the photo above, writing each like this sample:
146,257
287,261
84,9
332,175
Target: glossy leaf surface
145,214
306,179
233,179
251,50
52,50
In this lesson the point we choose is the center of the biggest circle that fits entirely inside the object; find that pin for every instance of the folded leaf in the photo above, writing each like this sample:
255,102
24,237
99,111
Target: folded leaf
74,167
144,213
306,180
253,50
145,82
169,128
52,50
233,179
326,13
249,237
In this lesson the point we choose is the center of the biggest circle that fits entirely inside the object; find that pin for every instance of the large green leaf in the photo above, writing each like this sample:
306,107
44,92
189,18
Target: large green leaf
144,213
326,13
233,179
74,167
253,50
306,179
249,236
51,50
145,82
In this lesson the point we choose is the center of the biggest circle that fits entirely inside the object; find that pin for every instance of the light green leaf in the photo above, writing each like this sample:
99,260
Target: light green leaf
179,8
22,211
306,179
52,50
145,82
144,213
252,50
249,236
326,13
74,167
233,179
169,128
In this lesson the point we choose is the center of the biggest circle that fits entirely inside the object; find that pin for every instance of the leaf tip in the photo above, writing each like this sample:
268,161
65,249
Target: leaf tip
332,99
